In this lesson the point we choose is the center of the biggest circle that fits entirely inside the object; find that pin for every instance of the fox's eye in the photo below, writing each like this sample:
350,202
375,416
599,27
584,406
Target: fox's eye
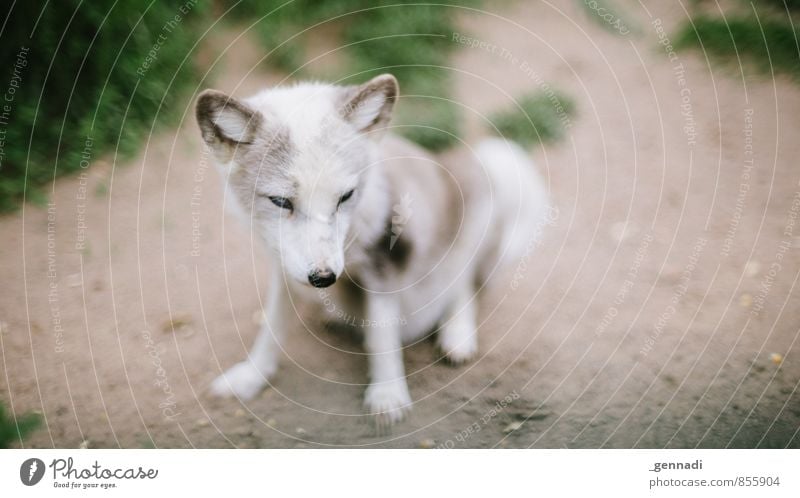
345,197
282,202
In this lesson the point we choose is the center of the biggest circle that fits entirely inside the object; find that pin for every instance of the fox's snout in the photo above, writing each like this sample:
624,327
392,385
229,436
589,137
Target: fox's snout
322,278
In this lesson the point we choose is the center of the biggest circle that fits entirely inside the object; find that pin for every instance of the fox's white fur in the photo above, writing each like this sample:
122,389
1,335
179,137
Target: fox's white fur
408,241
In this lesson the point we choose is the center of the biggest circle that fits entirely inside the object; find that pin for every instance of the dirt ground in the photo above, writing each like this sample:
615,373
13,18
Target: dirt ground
660,311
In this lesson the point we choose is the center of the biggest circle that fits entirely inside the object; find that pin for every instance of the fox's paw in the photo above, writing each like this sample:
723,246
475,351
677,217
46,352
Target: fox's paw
389,402
459,345
243,381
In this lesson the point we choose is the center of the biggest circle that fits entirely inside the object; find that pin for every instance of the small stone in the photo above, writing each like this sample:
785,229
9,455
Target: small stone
427,444
776,358
84,444
272,422
202,422
239,413
300,431
513,426
745,300
177,323
752,268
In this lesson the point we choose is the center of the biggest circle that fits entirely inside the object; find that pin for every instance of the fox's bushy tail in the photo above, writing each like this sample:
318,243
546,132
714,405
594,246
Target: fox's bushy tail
520,202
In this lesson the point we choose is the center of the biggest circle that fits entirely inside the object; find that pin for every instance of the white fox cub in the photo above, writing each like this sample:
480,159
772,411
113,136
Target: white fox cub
404,243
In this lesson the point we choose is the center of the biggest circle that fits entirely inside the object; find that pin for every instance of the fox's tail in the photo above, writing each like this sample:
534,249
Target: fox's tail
520,201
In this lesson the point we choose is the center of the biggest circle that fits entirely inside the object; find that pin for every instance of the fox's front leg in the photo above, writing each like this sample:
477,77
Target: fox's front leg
247,378
387,394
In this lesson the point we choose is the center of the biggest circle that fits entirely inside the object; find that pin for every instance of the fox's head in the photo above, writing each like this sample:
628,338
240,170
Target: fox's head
295,160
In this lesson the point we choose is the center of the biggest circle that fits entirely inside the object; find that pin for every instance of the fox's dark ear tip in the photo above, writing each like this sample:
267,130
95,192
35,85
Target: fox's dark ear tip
387,77
207,105
210,93
206,99
388,82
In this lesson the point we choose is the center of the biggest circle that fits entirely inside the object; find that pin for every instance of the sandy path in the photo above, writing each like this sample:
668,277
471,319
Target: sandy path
646,319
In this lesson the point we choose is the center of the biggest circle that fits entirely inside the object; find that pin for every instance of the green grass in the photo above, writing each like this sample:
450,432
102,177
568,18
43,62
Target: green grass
80,78
792,4
770,46
71,87
12,430
411,41
607,15
541,117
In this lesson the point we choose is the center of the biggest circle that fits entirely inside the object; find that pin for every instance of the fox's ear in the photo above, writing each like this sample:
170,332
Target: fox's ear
368,107
225,123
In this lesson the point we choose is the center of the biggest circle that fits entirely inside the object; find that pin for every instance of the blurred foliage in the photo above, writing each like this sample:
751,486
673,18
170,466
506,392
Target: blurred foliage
83,76
12,431
769,41
783,4
608,15
96,76
539,117
411,40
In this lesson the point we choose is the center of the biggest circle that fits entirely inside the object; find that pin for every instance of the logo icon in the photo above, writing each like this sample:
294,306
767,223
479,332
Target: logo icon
402,212
31,471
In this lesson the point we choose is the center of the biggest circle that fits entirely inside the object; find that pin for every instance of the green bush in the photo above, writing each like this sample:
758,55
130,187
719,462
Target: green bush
540,117
770,44
409,39
14,429
82,88
86,83
783,4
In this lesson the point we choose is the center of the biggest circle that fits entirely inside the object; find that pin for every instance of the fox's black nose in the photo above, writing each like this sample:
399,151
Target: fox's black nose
324,278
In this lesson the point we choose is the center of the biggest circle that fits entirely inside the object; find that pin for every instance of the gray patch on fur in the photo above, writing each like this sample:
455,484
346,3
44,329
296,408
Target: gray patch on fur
265,152
265,158
386,255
